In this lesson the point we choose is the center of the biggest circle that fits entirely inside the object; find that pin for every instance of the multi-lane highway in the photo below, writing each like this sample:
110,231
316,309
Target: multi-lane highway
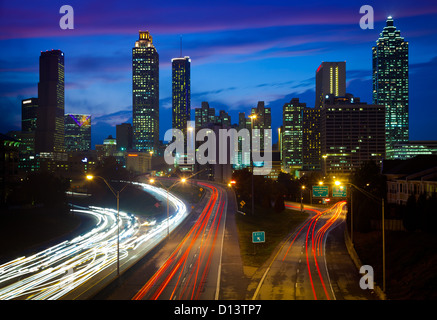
299,269
192,271
75,268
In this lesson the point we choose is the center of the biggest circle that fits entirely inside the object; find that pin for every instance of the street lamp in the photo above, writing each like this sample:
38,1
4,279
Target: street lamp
372,197
252,118
117,195
324,164
168,191
301,198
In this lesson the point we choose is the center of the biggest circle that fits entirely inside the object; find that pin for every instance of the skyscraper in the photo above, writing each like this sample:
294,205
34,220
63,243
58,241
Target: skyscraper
292,123
124,136
204,115
181,92
77,132
49,136
390,83
311,157
330,79
145,93
29,109
352,132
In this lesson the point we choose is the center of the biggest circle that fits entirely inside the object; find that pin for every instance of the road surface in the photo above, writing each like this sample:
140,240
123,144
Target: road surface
312,263
193,269
77,268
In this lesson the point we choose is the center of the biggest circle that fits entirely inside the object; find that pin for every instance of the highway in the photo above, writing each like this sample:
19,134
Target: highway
76,268
299,269
192,270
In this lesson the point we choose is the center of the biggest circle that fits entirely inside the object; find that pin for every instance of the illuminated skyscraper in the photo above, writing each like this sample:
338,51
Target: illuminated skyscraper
77,132
145,93
330,79
181,92
390,83
49,136
352,133
292,123
311,157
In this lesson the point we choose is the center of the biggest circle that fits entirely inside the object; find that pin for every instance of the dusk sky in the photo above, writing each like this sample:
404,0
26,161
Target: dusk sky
241,52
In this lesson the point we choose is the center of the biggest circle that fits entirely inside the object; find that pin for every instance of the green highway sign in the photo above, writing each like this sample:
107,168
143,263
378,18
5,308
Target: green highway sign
339,191
258,236
320,191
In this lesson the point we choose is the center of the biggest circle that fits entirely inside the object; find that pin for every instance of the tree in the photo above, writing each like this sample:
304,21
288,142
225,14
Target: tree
44,189
279,203
409,220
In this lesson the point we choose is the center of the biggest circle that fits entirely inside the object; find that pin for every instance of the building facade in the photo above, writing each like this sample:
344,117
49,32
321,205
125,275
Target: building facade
292,132
124,136
49,135
390,84
352,133
77,132
145,93
330,79
311,148
181,93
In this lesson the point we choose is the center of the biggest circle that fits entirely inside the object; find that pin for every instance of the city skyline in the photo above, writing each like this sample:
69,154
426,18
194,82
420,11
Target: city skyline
232,69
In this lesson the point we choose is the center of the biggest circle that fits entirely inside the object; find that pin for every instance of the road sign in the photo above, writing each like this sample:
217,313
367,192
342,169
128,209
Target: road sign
242,203
258,236
320,191
339,191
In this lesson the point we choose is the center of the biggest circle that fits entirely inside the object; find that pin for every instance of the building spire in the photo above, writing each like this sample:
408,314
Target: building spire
389,21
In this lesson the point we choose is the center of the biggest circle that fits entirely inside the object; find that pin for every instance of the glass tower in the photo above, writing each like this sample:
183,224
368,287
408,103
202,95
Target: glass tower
49,135
181,93
390,83
292,123
145,93
77,132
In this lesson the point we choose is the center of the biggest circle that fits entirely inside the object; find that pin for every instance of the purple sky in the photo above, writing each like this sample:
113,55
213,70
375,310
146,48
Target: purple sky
241,51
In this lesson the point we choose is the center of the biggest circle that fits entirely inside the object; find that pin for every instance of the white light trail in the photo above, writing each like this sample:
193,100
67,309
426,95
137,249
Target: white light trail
56,271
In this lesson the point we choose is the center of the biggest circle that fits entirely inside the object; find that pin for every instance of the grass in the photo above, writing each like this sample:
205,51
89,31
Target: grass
276,227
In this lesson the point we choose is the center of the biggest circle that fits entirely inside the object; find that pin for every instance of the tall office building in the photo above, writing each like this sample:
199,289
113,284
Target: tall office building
124,136
29,109
145,93
292,124
311,150
77,132
181,92
330,79
390,83
204,115
49,136
352,132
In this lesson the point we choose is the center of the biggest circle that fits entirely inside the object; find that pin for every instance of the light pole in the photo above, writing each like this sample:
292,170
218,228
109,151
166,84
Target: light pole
252,117
324,164
301,198
117,195
372,197
183,180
